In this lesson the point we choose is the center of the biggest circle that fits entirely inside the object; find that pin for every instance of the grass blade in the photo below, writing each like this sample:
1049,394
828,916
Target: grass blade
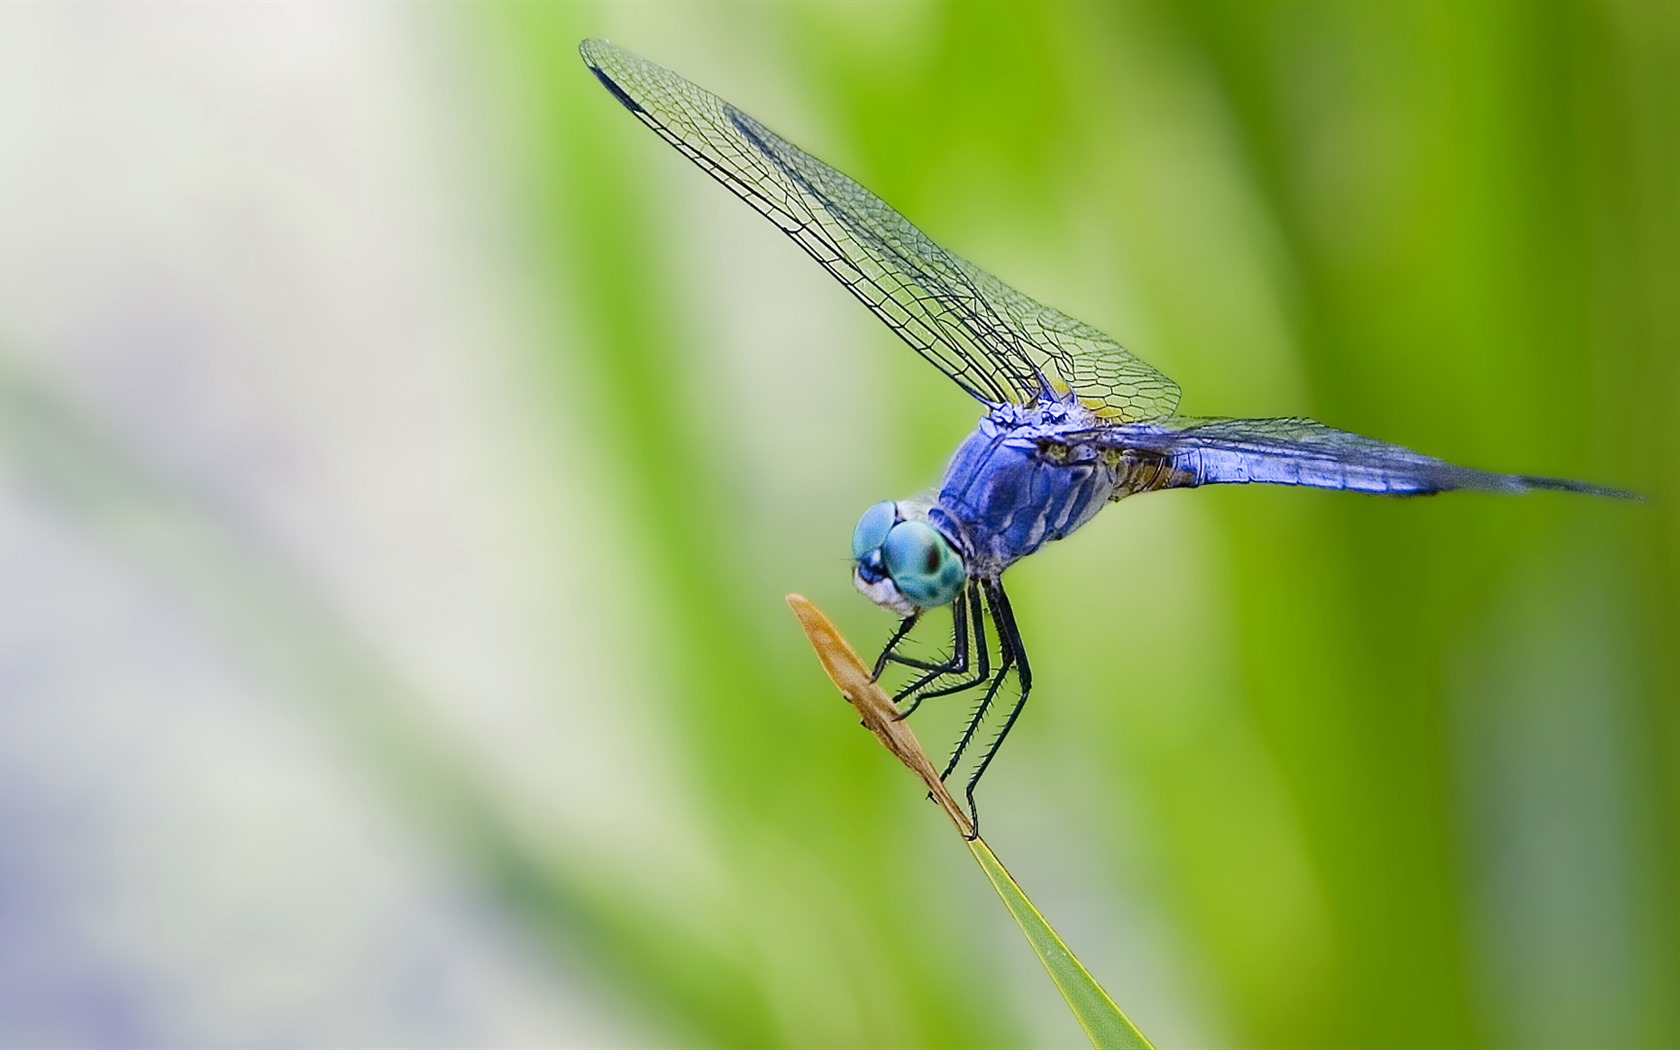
1103,1020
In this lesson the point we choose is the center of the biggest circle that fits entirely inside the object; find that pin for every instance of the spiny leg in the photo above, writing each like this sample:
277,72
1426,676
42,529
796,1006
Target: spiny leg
887,654
1009,641
968,614
977,617
1006,660
957,663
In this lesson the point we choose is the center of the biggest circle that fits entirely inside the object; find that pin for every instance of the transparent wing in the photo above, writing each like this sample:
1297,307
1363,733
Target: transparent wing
993,341
1295,451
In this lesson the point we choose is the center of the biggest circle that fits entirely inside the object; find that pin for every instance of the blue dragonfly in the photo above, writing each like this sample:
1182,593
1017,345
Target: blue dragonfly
1073,421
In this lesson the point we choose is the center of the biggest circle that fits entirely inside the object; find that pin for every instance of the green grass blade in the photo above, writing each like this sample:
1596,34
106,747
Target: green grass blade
1103,1020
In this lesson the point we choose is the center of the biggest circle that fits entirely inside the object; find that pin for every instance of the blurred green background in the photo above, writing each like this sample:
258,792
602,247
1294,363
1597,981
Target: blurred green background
403,456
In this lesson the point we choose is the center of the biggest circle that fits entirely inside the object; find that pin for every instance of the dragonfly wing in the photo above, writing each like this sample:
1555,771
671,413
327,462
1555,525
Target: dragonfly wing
1294,451
993,341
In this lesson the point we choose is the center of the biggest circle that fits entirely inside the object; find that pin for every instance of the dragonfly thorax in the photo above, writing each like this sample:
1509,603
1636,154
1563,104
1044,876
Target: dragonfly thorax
1027,475
903,563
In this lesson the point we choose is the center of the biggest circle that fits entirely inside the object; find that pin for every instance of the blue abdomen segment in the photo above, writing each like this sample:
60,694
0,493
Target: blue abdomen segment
1014,486
1294,451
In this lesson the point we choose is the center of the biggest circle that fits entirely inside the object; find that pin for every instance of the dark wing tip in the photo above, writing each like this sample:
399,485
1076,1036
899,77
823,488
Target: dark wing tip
1566,485
591,51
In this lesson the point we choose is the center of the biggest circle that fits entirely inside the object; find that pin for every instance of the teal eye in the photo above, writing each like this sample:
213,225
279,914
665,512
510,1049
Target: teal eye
922,563
872,528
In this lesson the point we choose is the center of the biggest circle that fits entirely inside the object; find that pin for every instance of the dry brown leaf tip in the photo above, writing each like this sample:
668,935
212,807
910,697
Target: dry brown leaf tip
880,717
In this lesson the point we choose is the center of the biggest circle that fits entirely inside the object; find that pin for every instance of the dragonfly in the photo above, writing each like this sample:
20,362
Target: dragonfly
1071,422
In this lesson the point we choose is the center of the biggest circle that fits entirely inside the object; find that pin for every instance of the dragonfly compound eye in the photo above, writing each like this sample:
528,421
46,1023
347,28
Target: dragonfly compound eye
926,569
870,568
872,528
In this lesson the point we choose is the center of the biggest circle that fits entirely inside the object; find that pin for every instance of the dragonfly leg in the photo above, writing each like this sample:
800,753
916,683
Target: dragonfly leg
956,663
994,683
1009,642
887,654
934,671
982,599
977,619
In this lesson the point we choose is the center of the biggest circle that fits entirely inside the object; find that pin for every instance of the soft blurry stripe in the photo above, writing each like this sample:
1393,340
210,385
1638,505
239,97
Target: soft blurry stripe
267,581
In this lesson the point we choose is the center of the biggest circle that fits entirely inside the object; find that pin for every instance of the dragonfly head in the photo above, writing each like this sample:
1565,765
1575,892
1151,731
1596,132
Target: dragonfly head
903,563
